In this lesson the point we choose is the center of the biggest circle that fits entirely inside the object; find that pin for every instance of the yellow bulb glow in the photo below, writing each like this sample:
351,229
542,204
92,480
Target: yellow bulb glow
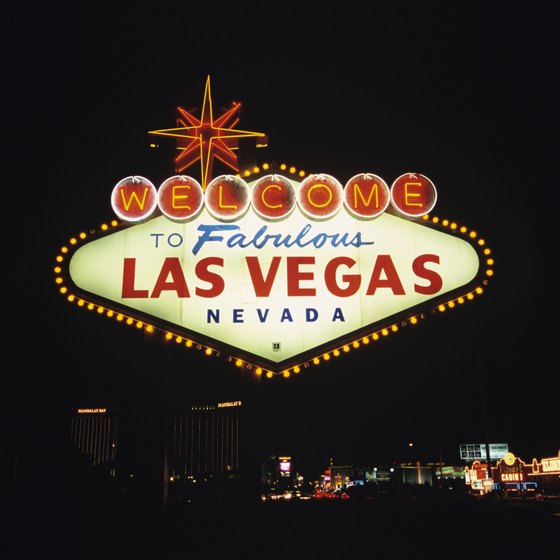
129,321
90,306
384,332
297,369
286,373
355,344
238,362
316,361
269,374
208,351
346,348
168,336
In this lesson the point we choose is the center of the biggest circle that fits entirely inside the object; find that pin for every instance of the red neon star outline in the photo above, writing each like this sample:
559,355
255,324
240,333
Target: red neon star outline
206,139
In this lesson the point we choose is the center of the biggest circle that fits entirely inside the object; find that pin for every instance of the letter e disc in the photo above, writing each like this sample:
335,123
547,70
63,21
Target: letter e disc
180,198
413,195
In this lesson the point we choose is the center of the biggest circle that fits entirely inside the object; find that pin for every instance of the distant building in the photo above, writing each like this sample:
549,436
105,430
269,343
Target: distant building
94,432
204,454
278,477
205,440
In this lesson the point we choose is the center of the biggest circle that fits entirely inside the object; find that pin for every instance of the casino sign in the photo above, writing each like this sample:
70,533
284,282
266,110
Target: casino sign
272,268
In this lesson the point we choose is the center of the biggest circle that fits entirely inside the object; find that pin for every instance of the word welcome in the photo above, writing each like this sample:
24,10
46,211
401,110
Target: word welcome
273,197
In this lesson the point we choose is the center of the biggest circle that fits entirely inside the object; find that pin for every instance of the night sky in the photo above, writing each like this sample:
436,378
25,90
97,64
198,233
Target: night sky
468,97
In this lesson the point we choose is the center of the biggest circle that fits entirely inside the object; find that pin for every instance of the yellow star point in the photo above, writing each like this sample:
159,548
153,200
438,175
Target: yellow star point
206,139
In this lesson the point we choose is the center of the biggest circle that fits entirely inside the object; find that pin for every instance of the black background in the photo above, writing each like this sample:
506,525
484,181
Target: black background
466,95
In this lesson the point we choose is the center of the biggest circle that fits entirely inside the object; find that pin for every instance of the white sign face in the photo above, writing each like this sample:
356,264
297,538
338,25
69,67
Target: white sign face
275,290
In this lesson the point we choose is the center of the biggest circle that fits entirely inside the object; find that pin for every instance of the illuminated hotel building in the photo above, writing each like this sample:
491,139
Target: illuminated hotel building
204,441
94,432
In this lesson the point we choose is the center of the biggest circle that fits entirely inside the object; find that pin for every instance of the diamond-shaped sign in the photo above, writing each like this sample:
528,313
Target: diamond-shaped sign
275,290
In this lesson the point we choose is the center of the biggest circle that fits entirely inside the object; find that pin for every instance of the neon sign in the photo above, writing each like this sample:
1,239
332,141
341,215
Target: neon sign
273,197
273,268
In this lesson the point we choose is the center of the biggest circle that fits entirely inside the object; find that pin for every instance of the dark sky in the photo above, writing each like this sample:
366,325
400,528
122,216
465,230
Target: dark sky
467,96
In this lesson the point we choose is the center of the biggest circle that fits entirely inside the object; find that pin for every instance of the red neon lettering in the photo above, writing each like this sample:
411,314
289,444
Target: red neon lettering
220,198
129,273
409,195
434,279
384,264
171,267
215,280
353,281
262,284
295,276
358,191
175,197
133,197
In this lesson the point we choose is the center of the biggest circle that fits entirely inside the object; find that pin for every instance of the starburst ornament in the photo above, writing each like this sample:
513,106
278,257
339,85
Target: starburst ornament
205,139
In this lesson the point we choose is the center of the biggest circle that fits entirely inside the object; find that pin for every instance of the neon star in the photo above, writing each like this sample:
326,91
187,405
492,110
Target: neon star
205,139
